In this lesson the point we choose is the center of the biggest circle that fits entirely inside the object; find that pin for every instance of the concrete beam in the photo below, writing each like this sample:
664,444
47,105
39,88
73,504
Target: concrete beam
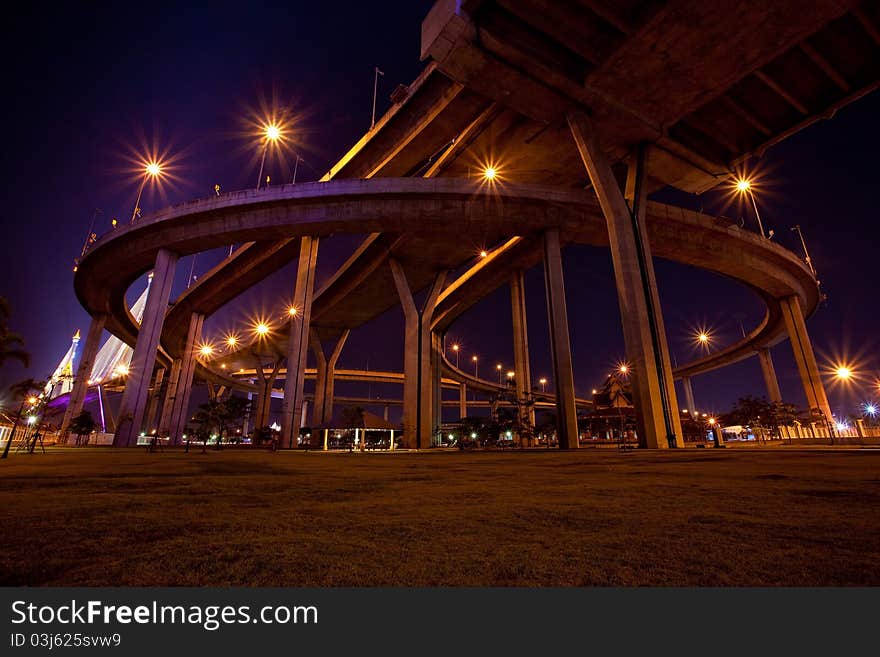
83,372
769,372
814,389
657,416
560,344
183,387
298,344
134,400
417,396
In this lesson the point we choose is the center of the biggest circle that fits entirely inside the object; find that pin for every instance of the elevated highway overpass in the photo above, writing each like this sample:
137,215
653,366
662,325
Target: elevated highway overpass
577,96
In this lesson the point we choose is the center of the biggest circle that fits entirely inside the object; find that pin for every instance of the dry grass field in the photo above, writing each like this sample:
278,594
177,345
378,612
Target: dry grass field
595,517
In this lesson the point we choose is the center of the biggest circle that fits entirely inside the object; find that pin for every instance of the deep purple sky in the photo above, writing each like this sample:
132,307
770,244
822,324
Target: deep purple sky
87,88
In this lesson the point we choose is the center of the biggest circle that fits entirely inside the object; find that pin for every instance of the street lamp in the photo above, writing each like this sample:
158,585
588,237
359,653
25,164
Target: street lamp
271,135
499,368
843,373
543,383
475,367
457,349
797,229
510,376
744,186
152,170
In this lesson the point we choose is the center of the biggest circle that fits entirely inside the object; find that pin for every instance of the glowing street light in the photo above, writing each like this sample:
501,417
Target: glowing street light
870,409
843,373
457,349
206,350
484,253
293,311
271,134
510,376
152,169
744,186
232,342
499,368
623,369
543,383
489,173
261,329
476,363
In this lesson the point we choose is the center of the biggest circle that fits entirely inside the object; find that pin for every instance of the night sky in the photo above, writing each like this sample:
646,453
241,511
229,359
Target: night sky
87,88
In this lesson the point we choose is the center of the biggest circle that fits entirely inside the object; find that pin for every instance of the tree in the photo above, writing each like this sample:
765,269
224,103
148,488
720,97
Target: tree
82,425
11,344
21,390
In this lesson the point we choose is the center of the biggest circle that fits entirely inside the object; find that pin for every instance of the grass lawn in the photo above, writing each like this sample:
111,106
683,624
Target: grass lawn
592,517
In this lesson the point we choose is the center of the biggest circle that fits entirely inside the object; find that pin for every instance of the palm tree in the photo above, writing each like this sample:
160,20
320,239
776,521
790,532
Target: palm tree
21,390
10,343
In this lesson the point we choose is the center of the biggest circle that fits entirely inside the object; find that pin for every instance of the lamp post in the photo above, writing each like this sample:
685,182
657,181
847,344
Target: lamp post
499,368
745,187
476,362
543,383
152,169
271,134
457,349
807,259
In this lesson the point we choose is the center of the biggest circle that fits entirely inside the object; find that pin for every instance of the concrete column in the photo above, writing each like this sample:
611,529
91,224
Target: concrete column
560,344
246,424
170,395
814,390
325,377
155,394
462,400
264,399
83,372
298,346
656,406
305,413
436,388
134,400
417,397
689,396
769,373
180,406
523,377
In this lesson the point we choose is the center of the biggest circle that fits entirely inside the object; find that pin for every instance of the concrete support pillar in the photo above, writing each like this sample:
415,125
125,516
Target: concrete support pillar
170,395
689,396
325,377
417,396
180,405
134,400
155,395
560,344
83,372
298,346
462,400
264,396
436,388
246,423
647,351
814,390
769,373
305,413
523,376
